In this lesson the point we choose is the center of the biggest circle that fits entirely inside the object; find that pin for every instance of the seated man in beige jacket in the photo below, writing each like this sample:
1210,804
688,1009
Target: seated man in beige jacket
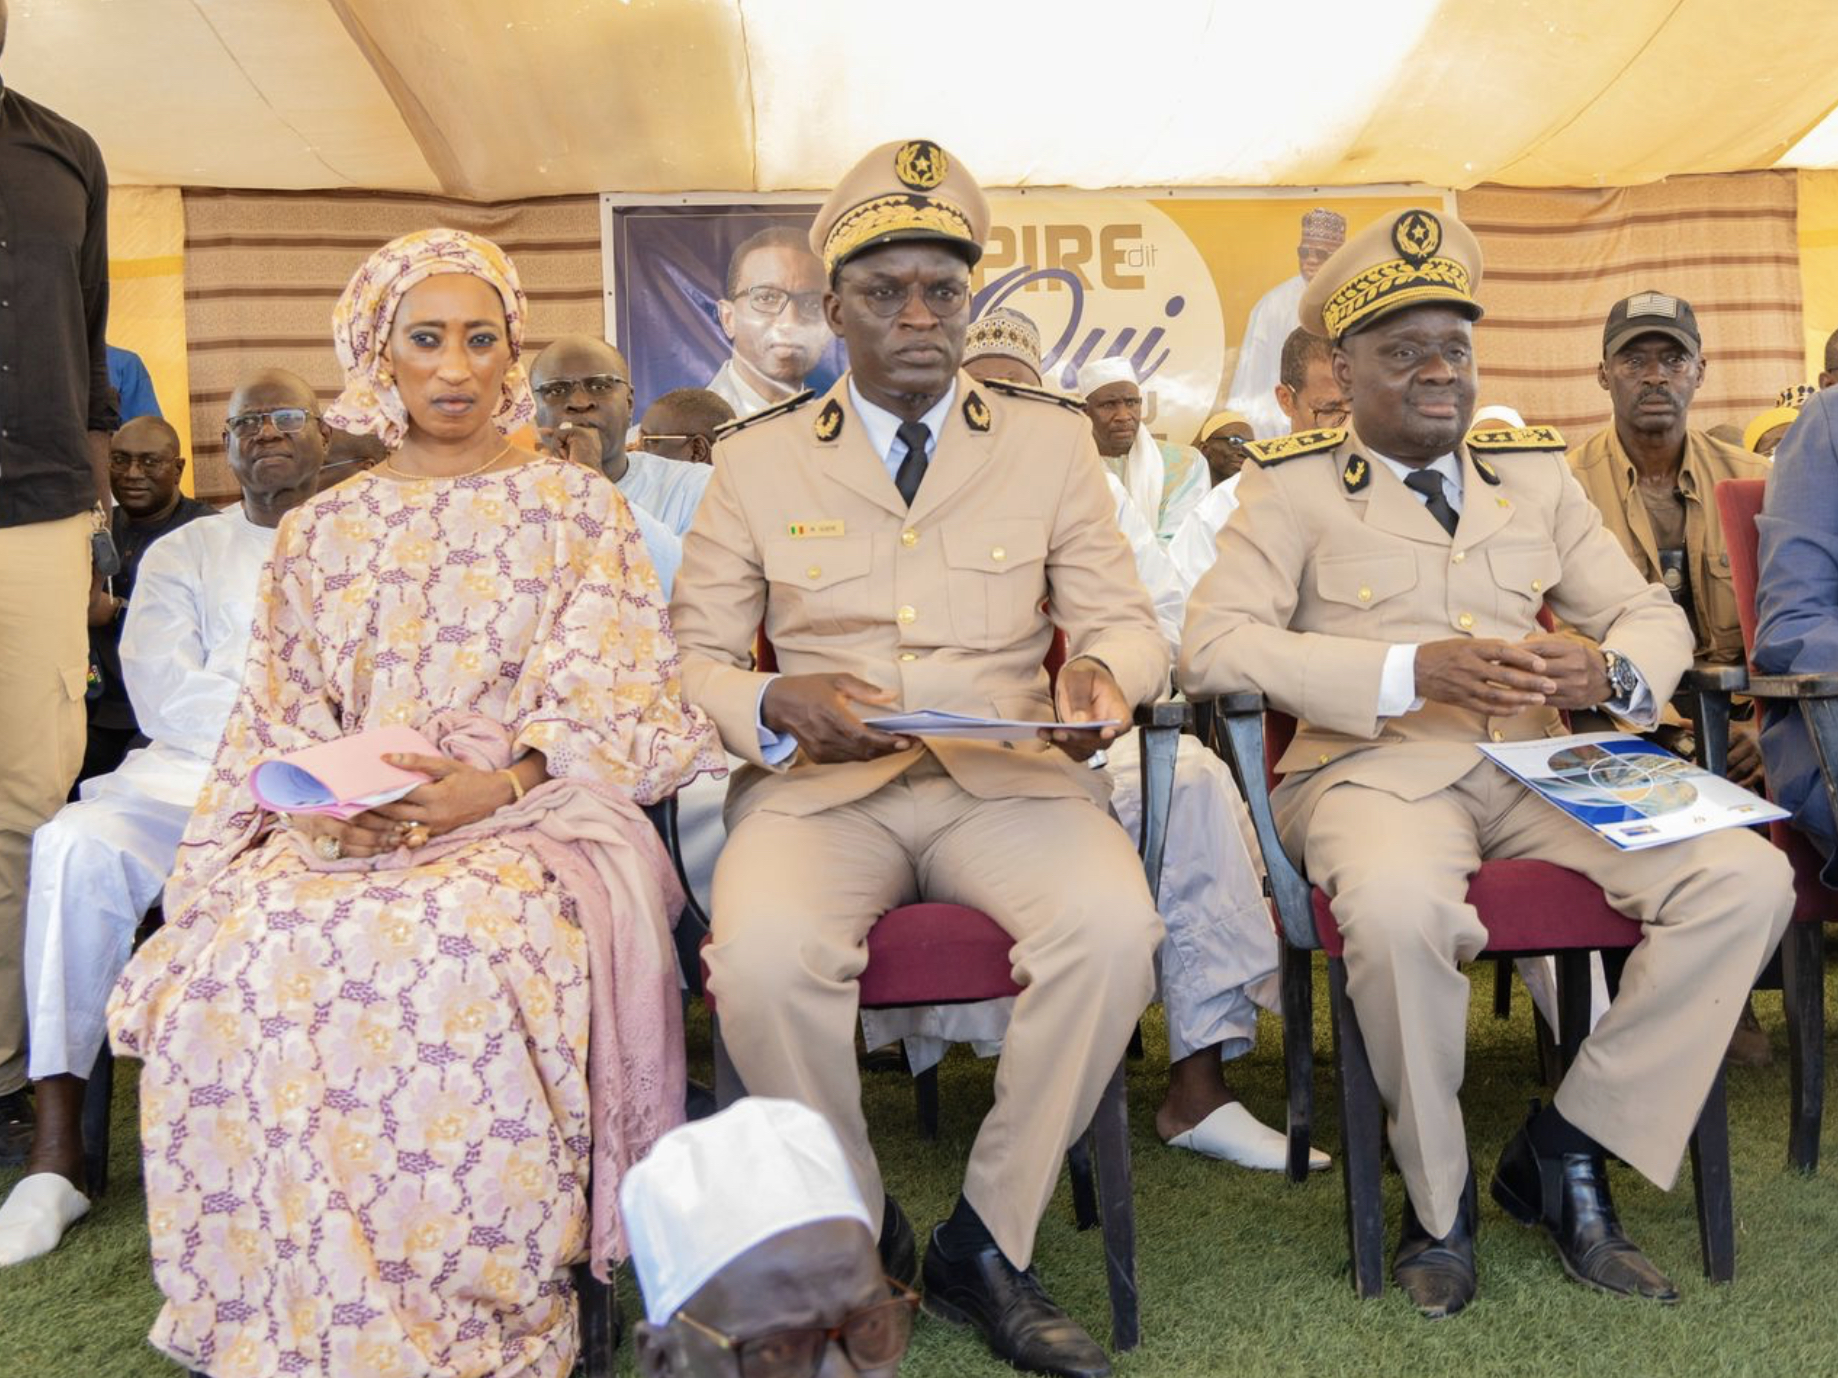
910,541
1383,586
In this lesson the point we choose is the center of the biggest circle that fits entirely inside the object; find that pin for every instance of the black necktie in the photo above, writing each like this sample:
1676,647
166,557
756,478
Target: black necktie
916,435
1428,484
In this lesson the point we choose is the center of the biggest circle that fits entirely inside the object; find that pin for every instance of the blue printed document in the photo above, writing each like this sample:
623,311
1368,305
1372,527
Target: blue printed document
1631,792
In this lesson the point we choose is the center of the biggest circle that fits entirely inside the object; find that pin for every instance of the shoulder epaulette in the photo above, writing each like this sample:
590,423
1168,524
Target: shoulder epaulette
790,404
1007,389
1497,440
1283,448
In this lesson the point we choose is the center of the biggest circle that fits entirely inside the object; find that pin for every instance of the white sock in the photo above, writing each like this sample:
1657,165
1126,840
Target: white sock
36,1214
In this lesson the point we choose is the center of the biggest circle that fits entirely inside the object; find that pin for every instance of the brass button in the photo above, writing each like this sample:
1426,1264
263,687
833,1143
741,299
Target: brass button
814,572
909,538
1537,586
1365,595
907,614
1323,758
1458,557
908,655
1465,621
998,554
1498,735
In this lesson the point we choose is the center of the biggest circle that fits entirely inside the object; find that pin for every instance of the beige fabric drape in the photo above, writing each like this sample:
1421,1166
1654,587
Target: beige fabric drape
263,270
1556,260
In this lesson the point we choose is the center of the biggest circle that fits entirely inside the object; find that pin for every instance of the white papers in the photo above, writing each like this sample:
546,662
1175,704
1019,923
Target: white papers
286,788
1632,793
934,722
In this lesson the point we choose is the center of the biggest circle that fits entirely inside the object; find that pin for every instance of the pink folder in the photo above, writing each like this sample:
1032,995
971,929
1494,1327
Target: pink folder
341,778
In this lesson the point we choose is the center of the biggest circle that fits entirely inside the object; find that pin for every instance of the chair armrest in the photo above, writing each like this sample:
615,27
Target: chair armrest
1242,720
1245,701
1176,714
1705,678
1820,686
693,924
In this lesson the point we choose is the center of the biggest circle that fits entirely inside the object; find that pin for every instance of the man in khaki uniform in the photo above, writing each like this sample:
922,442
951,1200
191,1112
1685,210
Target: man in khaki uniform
910,541
1382,584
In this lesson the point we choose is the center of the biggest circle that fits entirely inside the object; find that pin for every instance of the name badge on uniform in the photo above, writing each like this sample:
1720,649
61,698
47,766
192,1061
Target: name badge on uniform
801,530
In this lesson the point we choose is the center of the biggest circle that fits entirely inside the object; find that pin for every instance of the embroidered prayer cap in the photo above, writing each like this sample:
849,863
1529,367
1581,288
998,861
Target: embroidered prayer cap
714,1188
1323,226
1796,395
1650,313
366,311
1006,332
908,189
1219,420
1414,258
1101,373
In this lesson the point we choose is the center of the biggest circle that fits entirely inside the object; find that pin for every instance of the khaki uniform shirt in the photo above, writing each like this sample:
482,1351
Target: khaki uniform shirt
951,605
1331,561
1608,476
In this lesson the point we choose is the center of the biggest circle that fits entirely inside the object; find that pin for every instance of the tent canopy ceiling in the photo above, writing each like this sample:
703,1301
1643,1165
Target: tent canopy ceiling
493,99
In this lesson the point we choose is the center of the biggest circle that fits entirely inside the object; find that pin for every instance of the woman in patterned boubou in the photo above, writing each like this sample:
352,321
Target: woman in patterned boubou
383,1056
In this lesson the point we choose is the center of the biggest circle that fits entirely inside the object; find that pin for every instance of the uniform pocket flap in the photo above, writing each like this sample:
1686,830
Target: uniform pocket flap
1530,570
1365,581
995,547
818,564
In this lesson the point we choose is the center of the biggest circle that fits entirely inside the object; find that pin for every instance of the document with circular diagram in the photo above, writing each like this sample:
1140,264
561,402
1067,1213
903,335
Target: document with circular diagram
1633,793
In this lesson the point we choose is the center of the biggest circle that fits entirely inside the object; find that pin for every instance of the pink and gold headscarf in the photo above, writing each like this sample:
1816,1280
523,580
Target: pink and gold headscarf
366,311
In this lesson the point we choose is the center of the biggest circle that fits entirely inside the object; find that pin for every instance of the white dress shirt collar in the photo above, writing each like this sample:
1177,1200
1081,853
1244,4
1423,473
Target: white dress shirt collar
883,426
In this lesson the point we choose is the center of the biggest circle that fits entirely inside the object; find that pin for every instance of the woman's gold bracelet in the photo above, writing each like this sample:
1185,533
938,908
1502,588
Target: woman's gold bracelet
516,785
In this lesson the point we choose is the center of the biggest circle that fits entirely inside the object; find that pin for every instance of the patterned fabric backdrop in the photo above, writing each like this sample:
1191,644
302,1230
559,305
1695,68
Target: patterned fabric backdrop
263,270
1557,259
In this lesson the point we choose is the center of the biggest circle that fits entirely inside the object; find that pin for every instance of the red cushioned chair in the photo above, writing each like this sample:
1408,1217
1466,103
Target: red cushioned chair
944,954
1803,948
1530,909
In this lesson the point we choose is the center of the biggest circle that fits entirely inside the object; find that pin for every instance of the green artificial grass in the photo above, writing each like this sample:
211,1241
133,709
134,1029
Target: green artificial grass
1240,1273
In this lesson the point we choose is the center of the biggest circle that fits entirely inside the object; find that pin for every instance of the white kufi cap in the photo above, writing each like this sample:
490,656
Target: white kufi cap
712,1189
1103,372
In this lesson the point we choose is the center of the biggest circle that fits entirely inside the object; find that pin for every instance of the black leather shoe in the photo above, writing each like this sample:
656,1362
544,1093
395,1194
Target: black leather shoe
1437,1274
899,1250
1016,1318
1568,1195
17,1123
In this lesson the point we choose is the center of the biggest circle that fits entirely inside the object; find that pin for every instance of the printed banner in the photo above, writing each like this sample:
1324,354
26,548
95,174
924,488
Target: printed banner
1197,293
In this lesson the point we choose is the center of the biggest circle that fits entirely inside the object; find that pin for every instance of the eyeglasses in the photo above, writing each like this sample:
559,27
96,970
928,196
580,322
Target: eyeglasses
943,299
1635,365
1330,418
1237,442
287,420
874,1337
600,385
153,466
770,301
646,437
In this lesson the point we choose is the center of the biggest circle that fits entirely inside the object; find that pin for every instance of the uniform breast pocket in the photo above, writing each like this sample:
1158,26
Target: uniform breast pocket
1523,577
822,584
1368,585
995,580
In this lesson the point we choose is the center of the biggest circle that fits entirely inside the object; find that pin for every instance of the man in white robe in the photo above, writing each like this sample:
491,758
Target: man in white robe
1165,481
1273,318
100,863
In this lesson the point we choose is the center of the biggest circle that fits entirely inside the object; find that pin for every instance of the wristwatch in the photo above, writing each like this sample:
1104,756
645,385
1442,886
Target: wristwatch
1623,679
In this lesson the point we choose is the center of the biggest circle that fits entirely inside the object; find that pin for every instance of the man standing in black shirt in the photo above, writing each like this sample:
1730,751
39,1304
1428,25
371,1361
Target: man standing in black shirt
56,415
144,469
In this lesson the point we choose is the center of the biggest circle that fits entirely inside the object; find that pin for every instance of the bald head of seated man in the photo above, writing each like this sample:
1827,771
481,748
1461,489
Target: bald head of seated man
682,423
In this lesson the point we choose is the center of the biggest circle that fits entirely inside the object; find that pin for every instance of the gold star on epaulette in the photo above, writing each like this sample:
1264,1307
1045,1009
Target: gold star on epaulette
790,404
976,413
1283,448
829,422
1506,438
